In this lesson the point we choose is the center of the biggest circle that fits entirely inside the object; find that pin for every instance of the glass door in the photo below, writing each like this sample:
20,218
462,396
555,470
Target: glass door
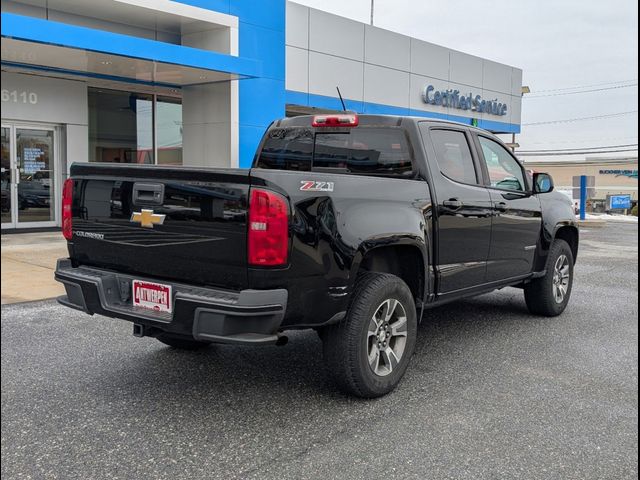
7,170
36,176
28,176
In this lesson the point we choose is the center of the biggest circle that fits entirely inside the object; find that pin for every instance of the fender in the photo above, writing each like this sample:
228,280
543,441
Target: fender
557,213
415,242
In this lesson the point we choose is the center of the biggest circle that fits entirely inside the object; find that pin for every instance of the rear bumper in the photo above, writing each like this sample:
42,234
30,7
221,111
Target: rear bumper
246,317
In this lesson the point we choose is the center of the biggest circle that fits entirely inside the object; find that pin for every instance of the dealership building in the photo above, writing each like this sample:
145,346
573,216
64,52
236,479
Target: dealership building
608,177
197,82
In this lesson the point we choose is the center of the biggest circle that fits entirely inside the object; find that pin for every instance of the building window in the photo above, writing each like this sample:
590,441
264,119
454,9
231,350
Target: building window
120,127
169,130
131,127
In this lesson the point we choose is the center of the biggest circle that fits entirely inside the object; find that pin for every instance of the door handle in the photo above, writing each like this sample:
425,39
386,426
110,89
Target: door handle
453,204
501,206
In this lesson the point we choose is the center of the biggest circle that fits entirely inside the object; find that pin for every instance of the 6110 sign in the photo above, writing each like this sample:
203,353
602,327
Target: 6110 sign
19,97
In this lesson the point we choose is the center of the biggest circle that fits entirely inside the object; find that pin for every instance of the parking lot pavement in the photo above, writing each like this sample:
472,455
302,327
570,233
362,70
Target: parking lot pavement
492,392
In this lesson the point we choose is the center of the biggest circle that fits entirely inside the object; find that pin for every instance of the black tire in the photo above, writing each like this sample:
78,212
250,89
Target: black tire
539,294
347,345
180,342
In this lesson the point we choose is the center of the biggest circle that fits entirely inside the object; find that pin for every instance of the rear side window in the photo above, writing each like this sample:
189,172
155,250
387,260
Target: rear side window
363,150
453,155
373,151
287,149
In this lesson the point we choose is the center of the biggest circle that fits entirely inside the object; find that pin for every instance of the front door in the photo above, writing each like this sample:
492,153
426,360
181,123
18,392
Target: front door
463,227
28,176
517,217
7,171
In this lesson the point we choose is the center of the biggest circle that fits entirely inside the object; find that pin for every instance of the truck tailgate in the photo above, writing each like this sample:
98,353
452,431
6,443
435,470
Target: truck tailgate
184,224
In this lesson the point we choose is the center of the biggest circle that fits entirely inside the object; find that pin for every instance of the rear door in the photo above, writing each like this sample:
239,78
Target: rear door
463,230
517,217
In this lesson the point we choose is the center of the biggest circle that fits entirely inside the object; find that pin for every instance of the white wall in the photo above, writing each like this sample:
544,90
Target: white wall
91,22
379,66
58,102
210,118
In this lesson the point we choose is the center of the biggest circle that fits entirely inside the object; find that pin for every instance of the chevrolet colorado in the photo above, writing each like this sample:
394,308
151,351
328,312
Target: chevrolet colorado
352,225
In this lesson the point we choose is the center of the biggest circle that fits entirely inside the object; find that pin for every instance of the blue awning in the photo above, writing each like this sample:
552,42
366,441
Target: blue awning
43,44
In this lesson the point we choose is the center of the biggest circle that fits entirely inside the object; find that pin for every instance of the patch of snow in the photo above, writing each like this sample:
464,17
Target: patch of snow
612,217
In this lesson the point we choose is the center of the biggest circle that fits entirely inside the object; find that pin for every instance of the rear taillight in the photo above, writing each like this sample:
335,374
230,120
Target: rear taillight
67,217
268,239
342,120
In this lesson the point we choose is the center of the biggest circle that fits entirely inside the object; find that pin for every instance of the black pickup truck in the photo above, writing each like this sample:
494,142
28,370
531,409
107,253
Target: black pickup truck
350,225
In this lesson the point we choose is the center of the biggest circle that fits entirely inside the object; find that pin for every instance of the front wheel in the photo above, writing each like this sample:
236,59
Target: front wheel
549,295
368,352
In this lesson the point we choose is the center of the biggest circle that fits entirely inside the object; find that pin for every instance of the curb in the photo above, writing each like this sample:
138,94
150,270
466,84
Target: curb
592,223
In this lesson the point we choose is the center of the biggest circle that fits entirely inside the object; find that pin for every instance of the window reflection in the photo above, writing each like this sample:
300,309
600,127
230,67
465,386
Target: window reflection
169,130
120,127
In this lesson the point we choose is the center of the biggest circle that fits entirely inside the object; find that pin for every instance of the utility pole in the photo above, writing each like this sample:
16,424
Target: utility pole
372,12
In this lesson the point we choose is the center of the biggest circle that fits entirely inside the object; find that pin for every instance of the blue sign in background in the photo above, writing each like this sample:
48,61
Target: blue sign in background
620,202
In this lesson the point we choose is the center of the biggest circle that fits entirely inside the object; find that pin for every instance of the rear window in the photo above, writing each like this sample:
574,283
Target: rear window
287,149
363,150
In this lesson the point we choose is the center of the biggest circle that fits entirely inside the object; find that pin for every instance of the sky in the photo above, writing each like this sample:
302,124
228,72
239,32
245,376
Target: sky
557,44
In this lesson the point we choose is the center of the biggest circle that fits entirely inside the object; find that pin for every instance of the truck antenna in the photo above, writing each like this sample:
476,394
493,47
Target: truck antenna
341,100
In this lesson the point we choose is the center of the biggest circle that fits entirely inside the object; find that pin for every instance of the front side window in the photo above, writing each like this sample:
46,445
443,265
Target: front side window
504,171
453,155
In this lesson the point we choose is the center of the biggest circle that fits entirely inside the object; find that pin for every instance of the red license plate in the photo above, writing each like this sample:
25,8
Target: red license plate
153,296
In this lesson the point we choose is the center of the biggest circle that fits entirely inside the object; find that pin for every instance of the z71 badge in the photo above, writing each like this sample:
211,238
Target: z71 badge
313,186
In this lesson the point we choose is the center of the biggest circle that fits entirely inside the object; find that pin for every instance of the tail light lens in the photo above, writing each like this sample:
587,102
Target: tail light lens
343,120
268,239
67,217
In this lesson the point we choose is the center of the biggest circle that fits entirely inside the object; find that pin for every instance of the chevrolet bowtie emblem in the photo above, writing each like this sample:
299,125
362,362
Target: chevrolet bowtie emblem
147,218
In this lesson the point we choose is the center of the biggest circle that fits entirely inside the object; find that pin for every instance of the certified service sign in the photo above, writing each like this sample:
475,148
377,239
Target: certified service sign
455,99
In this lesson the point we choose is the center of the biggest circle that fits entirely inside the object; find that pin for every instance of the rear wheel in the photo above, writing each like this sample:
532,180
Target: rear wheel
369,351
549,295
181,342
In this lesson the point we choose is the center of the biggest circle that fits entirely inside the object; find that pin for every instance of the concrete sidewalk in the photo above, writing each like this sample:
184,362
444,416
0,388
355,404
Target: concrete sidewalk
28,262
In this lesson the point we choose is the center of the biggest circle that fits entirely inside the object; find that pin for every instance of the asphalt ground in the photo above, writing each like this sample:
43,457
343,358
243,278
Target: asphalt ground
492,392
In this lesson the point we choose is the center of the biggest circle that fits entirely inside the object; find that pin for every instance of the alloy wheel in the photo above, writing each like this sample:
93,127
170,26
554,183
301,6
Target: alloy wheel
561,277
387,337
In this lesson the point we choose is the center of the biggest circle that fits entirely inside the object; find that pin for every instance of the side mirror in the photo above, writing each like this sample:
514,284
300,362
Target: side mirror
542,183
